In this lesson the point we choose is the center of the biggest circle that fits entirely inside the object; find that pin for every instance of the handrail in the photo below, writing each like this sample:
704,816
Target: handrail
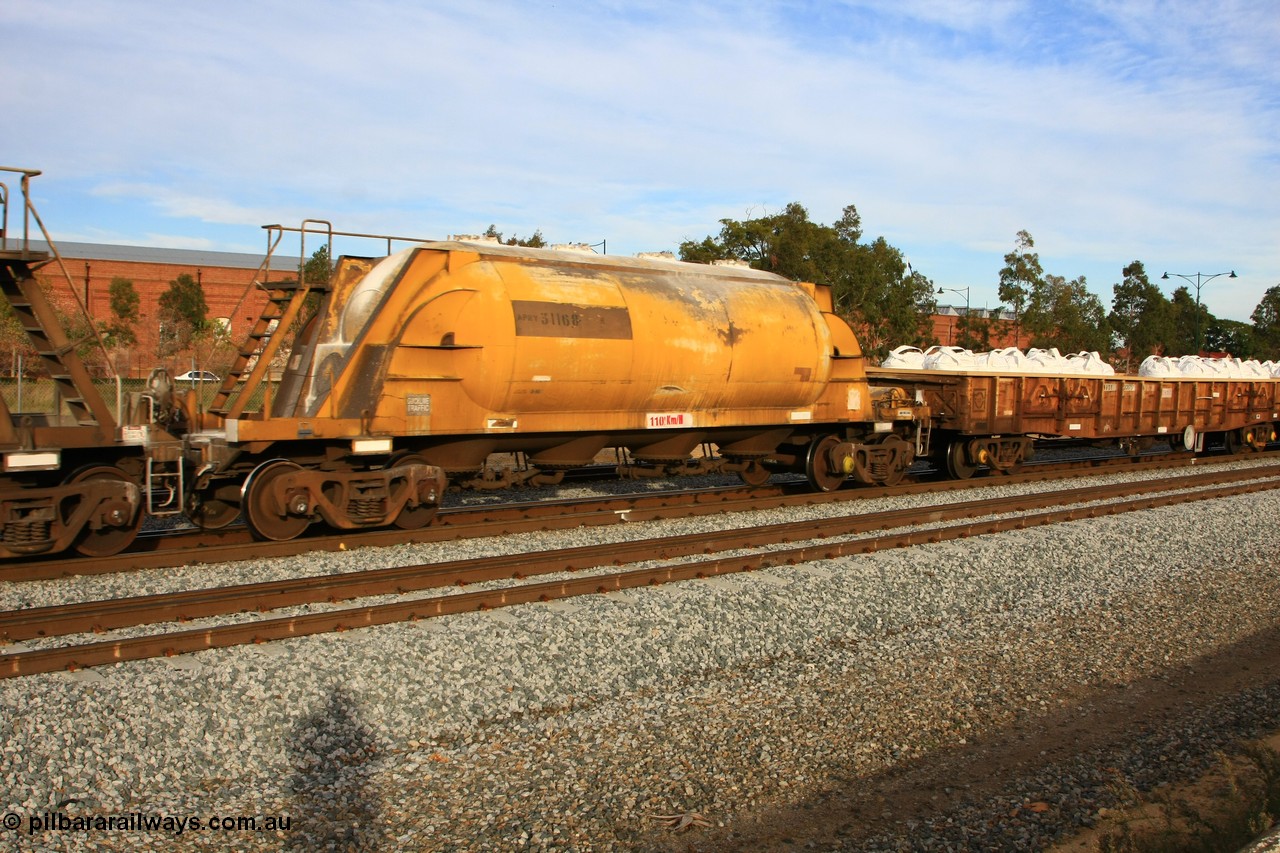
27,208
275,236
303,230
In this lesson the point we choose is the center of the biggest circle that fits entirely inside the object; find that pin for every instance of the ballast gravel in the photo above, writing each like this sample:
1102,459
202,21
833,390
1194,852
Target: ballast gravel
653,719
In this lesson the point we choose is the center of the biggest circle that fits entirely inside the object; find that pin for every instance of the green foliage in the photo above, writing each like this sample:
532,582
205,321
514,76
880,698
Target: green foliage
534,242
1052,311
319,267
888,304
786,243
1141,316
1020,276
1066,315
118,331
124,299
873,289
70,318
317,272
1187,319
14,342
183,314
1230,336
974,331
81,332
1266,325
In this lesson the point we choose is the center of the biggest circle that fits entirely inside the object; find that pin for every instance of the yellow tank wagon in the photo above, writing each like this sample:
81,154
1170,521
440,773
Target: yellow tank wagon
446,353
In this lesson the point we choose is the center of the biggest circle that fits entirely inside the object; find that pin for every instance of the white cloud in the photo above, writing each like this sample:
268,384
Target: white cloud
1110,131
180,205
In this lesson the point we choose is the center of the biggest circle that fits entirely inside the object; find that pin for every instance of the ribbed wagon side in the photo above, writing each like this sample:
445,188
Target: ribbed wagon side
991,418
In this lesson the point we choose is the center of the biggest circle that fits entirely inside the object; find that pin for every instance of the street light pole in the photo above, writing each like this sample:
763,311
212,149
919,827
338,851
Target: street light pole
1200,281
963,290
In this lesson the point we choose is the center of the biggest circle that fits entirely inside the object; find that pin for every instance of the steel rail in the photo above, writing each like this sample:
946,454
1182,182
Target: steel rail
180,642
230,545
110,614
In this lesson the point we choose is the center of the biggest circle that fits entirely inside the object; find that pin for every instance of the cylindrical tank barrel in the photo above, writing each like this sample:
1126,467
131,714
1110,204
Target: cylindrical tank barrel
529,331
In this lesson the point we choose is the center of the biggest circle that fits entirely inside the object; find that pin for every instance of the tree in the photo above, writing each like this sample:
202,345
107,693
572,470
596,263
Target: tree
183,314
317,272
1021,274
212,348
319,267
786,243
1141,316
118,330
1230,336
14,341
873,288
534,242
1266,325
887,303
1066,315
1187,319
1049,309
974,331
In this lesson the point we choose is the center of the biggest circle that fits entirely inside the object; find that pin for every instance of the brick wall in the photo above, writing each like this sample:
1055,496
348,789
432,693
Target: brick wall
228,291
946,331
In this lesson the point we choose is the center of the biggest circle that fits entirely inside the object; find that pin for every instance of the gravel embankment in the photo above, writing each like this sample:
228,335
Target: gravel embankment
570,726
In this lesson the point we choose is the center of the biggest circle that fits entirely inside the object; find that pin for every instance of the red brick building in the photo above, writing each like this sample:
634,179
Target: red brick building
227,279
947,326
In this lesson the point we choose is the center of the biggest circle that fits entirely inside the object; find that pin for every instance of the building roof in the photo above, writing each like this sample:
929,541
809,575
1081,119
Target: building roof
959,310
153,255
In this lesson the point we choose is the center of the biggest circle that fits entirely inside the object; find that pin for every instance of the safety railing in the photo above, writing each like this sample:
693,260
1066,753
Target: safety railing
19,247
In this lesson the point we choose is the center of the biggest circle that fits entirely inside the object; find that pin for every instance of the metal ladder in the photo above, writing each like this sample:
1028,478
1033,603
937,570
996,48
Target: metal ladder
284,304
35,312
167,483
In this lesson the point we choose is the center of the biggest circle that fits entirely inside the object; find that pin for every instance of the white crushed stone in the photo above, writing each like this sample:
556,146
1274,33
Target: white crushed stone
563,726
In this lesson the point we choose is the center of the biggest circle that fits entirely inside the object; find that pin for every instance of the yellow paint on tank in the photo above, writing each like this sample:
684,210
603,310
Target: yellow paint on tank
453,336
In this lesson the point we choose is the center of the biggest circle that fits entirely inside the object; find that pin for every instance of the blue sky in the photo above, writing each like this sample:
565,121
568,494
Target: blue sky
1111,131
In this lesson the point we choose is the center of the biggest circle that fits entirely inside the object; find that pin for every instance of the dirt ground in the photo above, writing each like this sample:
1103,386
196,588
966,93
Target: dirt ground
927,790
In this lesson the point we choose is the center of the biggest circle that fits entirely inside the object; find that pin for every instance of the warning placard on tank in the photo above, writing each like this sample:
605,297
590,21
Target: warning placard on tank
562,320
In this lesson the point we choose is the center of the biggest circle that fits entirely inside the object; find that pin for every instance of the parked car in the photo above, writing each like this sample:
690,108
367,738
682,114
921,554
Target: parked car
198,376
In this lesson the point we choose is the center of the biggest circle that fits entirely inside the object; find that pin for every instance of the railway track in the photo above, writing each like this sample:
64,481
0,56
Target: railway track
193,547
816,540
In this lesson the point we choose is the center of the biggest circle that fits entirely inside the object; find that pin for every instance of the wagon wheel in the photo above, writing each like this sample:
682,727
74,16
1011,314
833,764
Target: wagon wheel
211,513
413,517
754,474
267,516
107,540
957,466
817,466
1233,441
1012,468
895,475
